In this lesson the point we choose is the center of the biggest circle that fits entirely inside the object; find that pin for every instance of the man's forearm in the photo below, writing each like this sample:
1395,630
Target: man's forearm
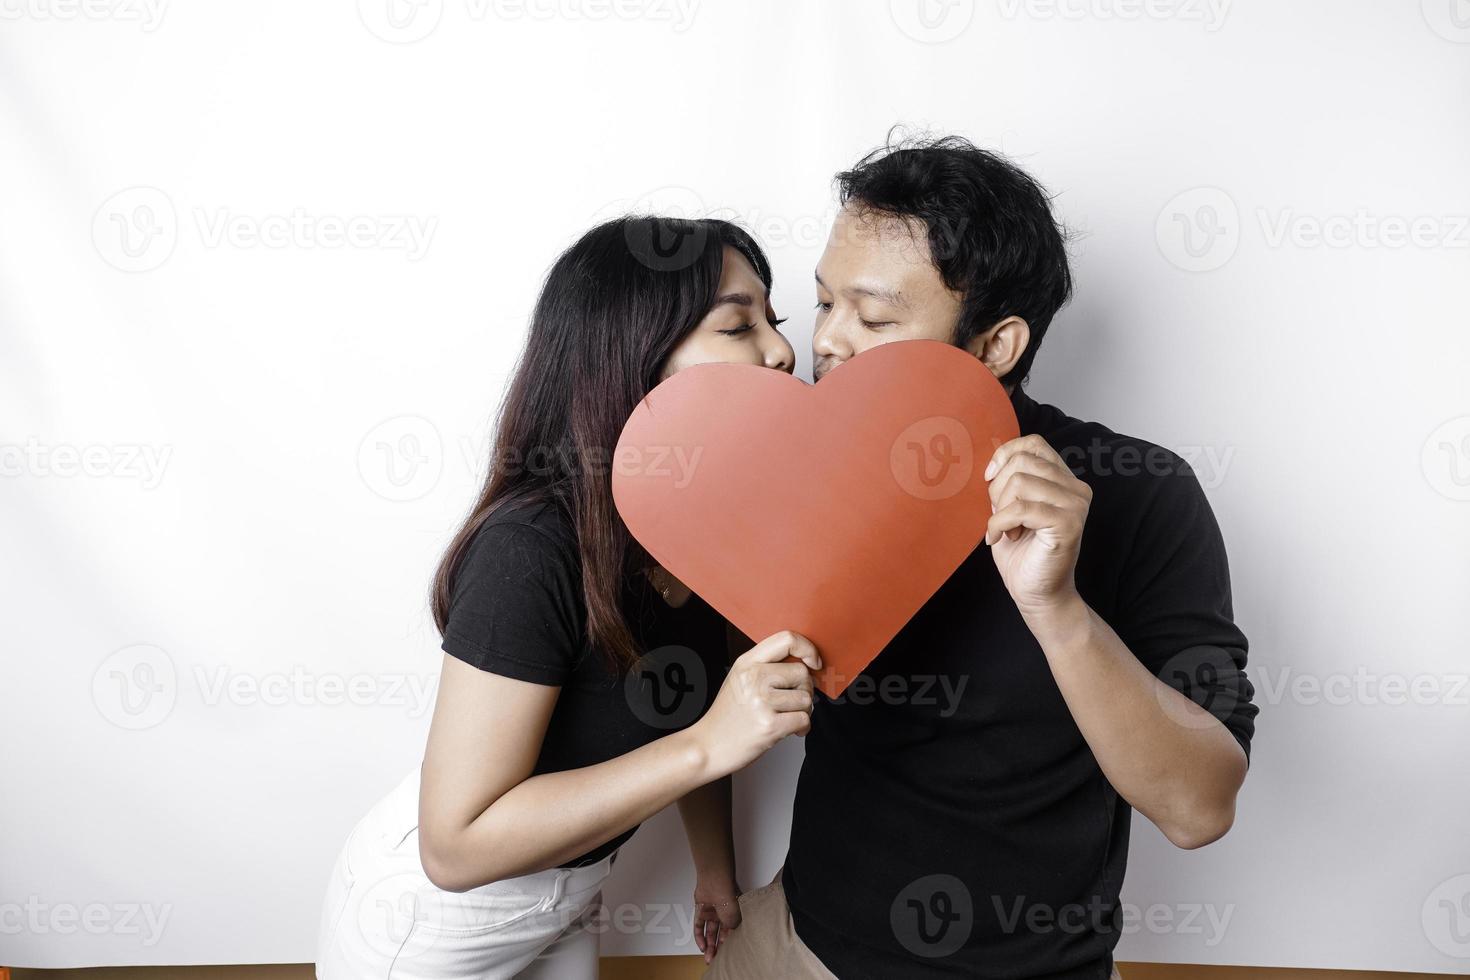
1168,757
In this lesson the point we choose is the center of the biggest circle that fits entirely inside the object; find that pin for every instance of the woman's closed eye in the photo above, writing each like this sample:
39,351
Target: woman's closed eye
747,327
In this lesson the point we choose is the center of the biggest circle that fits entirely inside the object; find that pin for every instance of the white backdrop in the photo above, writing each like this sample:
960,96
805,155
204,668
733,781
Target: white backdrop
264,268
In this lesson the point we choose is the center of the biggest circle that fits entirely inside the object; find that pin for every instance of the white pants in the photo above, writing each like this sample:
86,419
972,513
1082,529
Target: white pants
383,919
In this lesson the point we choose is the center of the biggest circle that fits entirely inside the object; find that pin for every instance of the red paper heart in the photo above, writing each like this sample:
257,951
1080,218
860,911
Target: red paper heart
835,510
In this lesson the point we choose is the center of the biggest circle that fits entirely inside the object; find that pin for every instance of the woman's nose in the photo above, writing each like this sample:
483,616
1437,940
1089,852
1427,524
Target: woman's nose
780,356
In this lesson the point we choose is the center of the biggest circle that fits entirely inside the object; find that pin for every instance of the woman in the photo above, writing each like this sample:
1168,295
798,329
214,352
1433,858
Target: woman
554,735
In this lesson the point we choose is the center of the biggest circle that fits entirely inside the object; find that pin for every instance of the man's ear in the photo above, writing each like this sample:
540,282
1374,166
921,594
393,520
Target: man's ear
1000,347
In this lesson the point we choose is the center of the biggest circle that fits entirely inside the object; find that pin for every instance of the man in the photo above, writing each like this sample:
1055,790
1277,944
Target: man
963,809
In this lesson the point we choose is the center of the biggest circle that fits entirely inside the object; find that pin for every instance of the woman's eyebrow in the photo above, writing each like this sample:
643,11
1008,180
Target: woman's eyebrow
734,299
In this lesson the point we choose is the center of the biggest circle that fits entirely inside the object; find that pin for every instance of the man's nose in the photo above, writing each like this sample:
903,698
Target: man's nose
828,340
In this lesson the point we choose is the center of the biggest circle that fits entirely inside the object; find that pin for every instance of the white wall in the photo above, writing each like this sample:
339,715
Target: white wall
238,523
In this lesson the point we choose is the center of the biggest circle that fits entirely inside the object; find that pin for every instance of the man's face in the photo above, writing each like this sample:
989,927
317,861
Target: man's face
876,283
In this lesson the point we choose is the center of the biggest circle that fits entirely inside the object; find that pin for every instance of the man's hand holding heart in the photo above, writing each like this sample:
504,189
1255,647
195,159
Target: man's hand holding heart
1035,531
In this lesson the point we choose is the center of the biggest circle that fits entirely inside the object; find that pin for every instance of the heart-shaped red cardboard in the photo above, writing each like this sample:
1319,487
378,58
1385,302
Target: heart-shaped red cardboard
835,509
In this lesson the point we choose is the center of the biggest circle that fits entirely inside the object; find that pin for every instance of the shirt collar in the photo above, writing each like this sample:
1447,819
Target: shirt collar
1028,411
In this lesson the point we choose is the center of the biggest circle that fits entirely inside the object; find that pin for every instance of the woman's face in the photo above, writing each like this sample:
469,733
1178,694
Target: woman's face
739,329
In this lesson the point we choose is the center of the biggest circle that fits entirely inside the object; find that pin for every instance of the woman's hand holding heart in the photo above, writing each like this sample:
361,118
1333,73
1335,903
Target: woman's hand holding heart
766,696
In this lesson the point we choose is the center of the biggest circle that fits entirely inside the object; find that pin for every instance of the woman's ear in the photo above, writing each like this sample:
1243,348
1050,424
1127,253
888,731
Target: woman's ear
1000,347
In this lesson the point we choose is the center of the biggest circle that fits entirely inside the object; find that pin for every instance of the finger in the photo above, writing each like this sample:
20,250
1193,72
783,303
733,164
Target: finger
699,939
793,723
790,700
792,676
1032,445
1038,446
1026,463
1023,514
804,651
779,646
729,919
1026,486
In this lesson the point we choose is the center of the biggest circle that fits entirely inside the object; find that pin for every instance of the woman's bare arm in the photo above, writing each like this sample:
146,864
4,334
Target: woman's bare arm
484,817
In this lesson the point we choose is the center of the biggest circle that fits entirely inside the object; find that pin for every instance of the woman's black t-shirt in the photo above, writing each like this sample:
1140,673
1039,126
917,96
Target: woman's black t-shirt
517,610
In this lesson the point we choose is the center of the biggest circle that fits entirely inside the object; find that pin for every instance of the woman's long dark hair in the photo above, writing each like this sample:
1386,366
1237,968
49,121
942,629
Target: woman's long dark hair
612,309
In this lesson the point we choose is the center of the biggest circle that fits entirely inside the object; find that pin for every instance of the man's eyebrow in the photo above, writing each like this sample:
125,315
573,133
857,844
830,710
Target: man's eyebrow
890,296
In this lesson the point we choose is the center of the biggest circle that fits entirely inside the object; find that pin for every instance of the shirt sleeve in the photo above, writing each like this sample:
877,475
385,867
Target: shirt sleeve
717,652
1174,605
515,609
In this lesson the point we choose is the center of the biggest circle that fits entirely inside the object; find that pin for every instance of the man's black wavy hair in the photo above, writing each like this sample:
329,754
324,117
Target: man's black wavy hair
989,225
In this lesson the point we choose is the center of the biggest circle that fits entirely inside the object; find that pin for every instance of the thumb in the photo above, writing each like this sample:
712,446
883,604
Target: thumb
730,914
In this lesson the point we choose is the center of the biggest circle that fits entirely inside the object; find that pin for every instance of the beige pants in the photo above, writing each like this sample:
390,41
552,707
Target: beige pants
766,944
